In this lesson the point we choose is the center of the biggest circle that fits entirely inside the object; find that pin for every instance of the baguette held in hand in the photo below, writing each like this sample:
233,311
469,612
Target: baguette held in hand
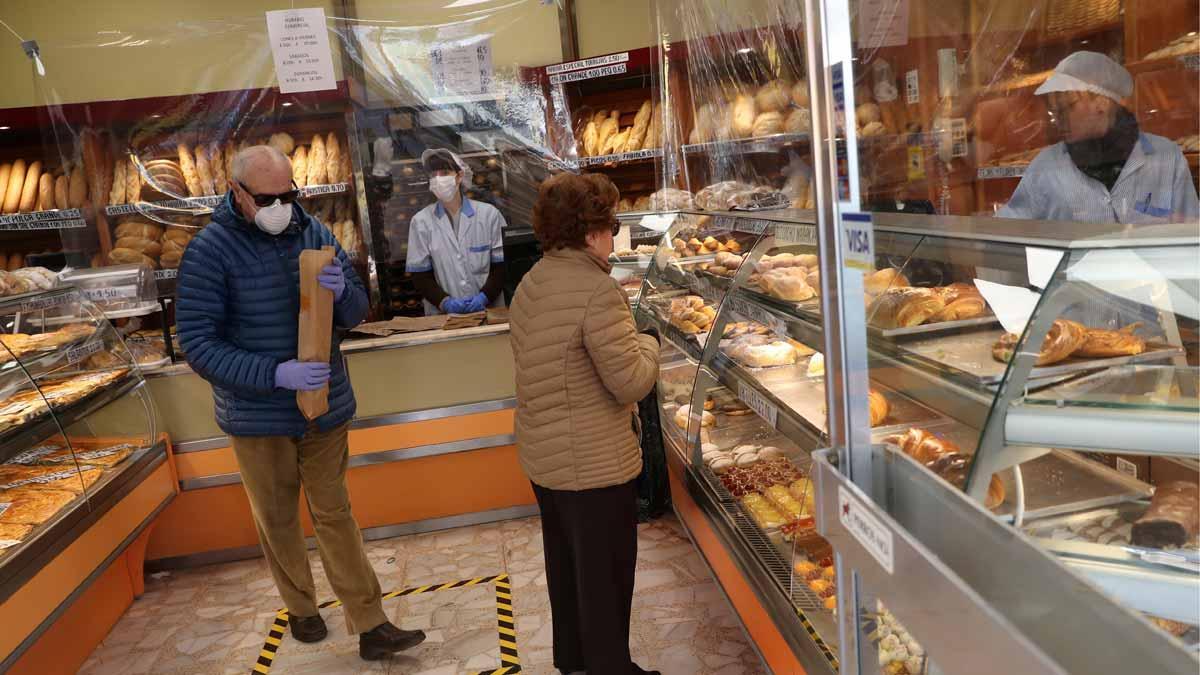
316,326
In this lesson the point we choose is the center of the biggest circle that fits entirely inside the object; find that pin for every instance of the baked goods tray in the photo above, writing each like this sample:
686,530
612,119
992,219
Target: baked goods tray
45,425
933,328
969,356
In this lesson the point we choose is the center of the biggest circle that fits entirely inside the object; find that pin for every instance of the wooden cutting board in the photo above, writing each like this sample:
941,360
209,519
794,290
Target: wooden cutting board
316,326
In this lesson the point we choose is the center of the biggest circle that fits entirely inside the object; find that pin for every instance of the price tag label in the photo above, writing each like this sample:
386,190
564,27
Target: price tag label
758,403
795,233
751,226
32,455
989,172
39,480
109,293
622,157
166,274
858,241
103,452
912,87
77,354
1127,467
314,190
916,162
48,302
749,310
589,74
867,529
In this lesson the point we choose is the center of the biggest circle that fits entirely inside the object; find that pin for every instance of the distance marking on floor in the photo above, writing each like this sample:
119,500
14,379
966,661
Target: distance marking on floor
510,662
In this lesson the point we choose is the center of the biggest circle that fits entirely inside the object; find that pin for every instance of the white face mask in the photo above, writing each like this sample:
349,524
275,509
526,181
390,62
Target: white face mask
275,218
444,187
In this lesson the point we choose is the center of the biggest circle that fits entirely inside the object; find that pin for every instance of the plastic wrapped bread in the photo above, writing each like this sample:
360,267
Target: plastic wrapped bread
187,166
116,195
204,171
316,161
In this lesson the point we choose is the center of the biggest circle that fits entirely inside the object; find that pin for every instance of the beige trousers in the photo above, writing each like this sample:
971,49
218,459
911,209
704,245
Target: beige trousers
274,468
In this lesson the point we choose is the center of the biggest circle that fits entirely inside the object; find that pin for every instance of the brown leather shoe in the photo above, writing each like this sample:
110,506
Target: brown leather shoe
385,639
308,628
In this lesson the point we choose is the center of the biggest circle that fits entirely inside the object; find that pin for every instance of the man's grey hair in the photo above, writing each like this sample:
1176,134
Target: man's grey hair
256,158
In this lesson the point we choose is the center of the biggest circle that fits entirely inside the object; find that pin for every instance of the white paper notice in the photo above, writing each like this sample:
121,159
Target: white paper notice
1041,263
656,222
300,44
882,23
462,69
1013,305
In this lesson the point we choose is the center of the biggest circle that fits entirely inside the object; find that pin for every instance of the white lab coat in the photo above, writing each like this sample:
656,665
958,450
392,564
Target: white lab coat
1155,186
459,263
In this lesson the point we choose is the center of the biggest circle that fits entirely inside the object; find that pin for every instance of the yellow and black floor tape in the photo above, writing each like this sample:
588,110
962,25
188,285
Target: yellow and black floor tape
506,626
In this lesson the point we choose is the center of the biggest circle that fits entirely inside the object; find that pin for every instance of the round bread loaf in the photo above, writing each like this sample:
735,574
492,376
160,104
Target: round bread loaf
147,247
138,229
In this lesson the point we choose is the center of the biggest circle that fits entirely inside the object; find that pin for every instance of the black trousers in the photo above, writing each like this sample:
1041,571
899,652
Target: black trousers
590,542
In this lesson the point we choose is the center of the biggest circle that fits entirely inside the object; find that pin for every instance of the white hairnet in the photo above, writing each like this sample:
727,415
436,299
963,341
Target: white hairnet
454,159
1090,71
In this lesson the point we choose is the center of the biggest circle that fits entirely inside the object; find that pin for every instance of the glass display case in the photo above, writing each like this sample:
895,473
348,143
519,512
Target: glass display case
76,424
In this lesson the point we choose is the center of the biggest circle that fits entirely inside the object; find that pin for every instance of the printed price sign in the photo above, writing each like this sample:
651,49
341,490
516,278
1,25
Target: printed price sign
605,60
588,74
39,480
103,452
758,403
792,233
988,172
47,302
166,274
300,45
867,529
109,293
753,312
77,354
751,226
313,190
912,87
32,455
858,241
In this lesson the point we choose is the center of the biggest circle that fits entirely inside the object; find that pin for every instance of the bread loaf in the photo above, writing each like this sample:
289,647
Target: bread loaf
904,307
147,247
744,113
347,172
878,282
943,457
767,124
177,235
77,190
139,230
62,192
799,121
282,142
203,171
216,164
333,159
133,182
300,167
615,143
641,126
29,189
599,117
170,259
316,161
800,94
654,135
124,256
607,130
96,165
187,166
45,192
588,144
116,196
16,180
772,97
174,246
5,173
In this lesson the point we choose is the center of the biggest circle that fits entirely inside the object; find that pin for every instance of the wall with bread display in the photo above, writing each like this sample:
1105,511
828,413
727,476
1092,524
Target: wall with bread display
107,50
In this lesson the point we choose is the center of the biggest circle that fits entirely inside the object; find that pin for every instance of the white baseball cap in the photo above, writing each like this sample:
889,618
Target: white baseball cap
1090,71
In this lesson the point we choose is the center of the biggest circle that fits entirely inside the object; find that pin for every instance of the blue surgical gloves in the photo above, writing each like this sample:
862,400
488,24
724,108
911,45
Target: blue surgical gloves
332,278
301,375
467,305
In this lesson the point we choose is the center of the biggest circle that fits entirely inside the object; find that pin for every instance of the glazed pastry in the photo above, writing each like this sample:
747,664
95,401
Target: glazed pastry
943,458
963,301
788,287
1173,518
878,282
1099,343
1064,338
904,307
879,407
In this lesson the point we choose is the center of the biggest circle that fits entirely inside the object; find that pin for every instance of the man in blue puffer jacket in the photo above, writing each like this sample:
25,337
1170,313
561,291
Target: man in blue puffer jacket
237,314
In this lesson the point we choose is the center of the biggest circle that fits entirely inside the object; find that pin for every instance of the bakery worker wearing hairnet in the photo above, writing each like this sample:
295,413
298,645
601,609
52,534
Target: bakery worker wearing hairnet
1105,170
455,245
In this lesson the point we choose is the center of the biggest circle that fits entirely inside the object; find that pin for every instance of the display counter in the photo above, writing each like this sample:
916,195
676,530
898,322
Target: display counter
431,446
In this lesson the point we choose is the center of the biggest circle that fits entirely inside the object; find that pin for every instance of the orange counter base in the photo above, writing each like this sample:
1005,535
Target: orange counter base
771,644
406,477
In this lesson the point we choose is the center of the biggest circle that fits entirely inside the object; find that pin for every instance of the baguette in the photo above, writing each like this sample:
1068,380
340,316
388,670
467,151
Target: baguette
216,164
607,129
654,135
641,127
347,170
98,166
133,182
45,193
300,167
204,171
62,192
5,173
316,161
333,159
77,190
616,143
29,189
187,166
116,195
16,180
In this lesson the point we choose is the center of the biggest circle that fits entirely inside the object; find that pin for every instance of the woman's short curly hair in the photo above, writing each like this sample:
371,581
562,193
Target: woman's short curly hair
569,206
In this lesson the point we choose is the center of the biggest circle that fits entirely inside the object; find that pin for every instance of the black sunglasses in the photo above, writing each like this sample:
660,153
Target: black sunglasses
267,200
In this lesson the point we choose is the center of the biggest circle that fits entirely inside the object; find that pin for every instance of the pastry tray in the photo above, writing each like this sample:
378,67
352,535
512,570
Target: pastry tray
933,328
969,355
1139,387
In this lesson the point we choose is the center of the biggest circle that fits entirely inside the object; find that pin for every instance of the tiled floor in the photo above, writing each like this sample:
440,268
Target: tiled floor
214,619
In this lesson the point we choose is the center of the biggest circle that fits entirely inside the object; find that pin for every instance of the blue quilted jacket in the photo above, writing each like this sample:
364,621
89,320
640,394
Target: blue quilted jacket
237,314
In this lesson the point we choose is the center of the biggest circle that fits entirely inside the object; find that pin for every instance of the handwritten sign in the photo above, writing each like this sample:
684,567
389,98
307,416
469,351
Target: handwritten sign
463,68
300,45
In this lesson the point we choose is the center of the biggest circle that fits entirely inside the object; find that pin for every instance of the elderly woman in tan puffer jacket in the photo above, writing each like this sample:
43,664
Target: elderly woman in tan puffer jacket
581,369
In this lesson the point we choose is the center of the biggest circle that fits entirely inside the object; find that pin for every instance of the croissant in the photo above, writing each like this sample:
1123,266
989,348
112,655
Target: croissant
884,279
945,459
905,307
1064,338
963,301
1098,343
879,407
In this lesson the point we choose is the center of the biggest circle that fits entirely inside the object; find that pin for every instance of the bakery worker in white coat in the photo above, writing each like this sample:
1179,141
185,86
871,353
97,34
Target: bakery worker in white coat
455,245
1105,170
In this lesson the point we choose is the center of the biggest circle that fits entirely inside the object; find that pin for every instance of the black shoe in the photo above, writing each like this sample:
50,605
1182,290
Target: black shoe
308,628
385,639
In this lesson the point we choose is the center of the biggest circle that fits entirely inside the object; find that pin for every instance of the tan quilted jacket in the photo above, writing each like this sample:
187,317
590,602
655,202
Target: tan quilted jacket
581,369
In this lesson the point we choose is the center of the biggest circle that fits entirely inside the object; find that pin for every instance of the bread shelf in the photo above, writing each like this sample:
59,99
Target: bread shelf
624,158
211,201
47,424
747,146
57,219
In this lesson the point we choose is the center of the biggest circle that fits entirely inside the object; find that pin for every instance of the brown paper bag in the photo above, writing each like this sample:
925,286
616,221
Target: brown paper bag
316,326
